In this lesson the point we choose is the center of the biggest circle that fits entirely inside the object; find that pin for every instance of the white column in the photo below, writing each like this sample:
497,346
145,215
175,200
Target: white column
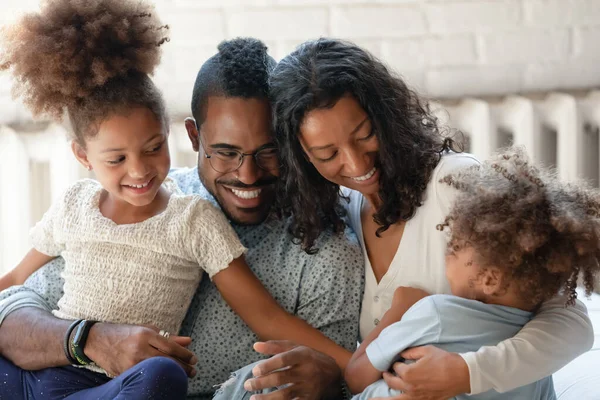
516,114
15,199
561,113
591,111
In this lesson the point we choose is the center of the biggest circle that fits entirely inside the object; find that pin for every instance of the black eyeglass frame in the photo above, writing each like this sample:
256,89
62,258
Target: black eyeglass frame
240,156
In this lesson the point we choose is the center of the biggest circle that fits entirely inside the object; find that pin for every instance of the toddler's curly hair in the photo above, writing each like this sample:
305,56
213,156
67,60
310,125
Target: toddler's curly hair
89,58
541,232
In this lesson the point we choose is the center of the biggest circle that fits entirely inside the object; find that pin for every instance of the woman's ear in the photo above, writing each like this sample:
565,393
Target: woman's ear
81,155
193,134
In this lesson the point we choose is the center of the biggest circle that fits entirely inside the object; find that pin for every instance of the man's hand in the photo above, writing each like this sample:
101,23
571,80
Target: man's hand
116,348
306,373
436,375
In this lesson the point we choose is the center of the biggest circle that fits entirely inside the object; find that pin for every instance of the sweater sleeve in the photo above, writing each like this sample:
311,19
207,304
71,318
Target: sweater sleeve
552,339
214,243
45,235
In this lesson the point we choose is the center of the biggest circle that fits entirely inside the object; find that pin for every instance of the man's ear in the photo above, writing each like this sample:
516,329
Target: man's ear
81,155
493,282
193,134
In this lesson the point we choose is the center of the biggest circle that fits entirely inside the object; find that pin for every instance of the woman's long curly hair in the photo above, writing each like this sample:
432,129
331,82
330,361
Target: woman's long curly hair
316,75
542,233
88,58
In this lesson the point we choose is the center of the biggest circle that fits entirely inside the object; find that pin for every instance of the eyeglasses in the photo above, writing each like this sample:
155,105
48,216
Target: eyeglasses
229,160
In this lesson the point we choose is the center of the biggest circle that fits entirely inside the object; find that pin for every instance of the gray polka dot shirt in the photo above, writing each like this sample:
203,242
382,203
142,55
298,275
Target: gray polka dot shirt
324,289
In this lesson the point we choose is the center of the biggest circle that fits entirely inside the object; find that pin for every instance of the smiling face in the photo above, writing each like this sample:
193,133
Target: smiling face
233,123
341,143
130,157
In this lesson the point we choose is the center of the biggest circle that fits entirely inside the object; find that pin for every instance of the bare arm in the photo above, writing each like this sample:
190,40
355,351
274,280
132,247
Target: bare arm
360,372
30,336
33,261
32,339
252,302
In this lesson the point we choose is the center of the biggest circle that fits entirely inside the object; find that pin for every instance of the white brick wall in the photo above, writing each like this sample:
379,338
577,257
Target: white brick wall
445,48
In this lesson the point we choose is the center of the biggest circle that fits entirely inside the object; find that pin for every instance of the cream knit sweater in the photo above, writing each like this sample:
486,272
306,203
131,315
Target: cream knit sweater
143,273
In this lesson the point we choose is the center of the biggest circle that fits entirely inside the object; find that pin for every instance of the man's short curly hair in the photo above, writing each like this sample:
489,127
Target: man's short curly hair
89,58
241,68
542,233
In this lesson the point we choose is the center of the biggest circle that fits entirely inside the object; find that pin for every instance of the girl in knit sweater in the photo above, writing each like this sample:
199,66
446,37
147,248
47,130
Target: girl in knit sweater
135,246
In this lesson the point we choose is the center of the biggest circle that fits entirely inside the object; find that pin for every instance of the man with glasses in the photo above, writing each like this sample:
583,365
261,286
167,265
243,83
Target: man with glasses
242,183
237,170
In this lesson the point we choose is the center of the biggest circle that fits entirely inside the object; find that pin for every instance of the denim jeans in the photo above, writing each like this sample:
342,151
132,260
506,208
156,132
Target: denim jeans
157,378
233,389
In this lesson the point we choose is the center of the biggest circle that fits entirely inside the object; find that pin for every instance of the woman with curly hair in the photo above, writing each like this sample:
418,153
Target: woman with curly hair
518,236
356,142
135,246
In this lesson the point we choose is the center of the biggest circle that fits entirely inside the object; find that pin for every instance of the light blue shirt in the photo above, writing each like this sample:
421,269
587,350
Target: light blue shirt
456,325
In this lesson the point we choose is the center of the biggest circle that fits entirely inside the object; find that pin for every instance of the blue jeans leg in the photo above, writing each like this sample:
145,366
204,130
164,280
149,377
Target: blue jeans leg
157,378
12,384
51,383
234,387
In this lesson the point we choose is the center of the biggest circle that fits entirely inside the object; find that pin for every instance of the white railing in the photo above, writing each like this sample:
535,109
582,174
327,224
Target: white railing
557,129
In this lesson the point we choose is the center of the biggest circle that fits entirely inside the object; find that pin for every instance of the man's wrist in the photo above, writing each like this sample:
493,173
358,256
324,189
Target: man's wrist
67,340
91,348
79,339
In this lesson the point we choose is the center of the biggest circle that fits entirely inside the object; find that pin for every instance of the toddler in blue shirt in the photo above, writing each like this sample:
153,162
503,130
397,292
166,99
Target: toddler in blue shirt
518,237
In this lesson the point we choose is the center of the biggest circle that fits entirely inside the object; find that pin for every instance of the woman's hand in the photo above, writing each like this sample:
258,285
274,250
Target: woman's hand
436,375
